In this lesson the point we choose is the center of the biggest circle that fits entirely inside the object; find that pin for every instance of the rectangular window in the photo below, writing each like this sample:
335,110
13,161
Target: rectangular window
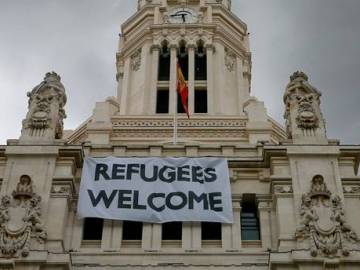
180,107
171,231
210,231
93,228
200,101
164,67
132,230
200,67
250,226
184,65
162,101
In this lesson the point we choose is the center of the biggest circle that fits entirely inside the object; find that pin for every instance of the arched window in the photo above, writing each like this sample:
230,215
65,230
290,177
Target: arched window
183,60
200,68
162,95
250,226
200,62
164,62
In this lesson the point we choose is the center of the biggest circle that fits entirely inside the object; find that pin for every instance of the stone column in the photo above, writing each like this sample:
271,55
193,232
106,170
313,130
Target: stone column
172,86
116,235
120,80
231,233
146,242
151,237
265,224
191,79
125,87
210,78
243,93
106,240
59,204
286,216
77,233
236,227
196,235
155,50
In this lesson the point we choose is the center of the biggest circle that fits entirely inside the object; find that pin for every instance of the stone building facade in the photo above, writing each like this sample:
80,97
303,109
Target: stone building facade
295,192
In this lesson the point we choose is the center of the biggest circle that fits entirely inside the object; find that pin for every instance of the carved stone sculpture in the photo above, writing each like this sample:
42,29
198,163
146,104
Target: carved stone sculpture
306,118
323,222
303,115
136,60
20,219
44,120
230,60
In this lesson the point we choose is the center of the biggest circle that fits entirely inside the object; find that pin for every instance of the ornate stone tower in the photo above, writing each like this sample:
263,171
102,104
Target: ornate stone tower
211,45
204,36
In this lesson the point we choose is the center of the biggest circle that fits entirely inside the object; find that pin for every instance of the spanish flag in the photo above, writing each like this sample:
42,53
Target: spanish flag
182,88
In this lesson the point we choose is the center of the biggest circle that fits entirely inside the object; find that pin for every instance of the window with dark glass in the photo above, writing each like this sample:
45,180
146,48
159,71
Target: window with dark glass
132,230
162,101
171,231
200,101
164,63
200,63
250,226
180,107
183,59
210,231
93,228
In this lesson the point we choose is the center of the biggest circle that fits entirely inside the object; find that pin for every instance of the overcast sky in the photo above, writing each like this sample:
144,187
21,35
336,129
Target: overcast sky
78,40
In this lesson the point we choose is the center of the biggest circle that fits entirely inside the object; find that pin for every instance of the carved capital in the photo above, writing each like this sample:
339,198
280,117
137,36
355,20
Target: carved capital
155,47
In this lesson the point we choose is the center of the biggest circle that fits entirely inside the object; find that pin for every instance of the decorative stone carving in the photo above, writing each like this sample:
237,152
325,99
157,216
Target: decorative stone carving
44,120
285,189
60,190
323,222
20,219
351,189
136,60
307,118
166,18
303,115
230,60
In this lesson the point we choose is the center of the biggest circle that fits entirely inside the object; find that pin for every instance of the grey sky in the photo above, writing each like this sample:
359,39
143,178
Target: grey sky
78,39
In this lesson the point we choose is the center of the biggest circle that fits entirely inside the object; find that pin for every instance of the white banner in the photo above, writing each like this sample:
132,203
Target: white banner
156,189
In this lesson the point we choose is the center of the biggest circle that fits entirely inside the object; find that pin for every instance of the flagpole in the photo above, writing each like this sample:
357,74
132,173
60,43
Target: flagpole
175,124
175,109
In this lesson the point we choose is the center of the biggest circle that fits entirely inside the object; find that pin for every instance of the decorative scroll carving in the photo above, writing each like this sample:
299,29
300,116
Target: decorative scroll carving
46,109
60,190
136,60
283,189
20,219
351,189
230,60
323,222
